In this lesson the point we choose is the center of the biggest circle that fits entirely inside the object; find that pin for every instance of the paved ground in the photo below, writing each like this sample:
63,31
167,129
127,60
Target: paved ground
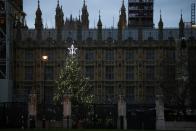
69,130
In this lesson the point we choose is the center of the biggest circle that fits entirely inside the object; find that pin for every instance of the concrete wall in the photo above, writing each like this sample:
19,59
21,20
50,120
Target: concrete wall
5,90
180,125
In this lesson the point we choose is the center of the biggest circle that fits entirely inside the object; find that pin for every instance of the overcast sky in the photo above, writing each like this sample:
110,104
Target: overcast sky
109,9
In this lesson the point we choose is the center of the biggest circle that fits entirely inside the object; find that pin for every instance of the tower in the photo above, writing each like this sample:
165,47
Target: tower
85,15
59,21
122,17
160,27
38,22
140,13
181,27
193,13
122,21
99,28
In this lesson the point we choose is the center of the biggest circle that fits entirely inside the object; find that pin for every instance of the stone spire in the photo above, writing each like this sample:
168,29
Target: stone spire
160,27
99,24
181,27
99,27
59,21
122,23
84,17
122,18
58,15
38,22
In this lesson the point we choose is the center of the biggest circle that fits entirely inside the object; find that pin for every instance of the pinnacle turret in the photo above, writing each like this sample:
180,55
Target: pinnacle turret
160,27
181,27
99,24
160,21
181,23
38,21
122,17
85,17
59,20
99,30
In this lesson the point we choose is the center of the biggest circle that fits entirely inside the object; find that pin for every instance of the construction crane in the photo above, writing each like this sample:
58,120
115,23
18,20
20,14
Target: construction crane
193,13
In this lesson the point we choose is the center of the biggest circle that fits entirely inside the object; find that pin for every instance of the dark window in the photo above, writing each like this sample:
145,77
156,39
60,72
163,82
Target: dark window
29,55
109,91
150,55
109,55
90,72
49,73
170,72
109,72
130,94
129,55
49,93
129,73
90,55
50,55
29,73
150,73
150,94
171,55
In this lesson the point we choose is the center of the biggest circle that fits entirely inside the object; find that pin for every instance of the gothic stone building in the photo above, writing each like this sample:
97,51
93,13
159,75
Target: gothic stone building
132,62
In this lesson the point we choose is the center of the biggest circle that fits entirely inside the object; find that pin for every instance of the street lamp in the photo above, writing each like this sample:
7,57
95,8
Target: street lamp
44,58
193,26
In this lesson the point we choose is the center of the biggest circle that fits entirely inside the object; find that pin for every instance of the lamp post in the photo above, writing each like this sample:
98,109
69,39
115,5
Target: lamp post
44,59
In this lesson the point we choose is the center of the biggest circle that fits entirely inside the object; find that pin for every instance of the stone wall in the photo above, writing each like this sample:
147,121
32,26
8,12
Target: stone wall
173,125
50,124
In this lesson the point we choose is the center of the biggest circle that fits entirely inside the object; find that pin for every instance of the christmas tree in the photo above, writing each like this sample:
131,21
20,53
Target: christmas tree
72,82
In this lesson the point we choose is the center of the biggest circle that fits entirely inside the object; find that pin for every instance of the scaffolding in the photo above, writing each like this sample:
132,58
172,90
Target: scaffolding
3,40
140,13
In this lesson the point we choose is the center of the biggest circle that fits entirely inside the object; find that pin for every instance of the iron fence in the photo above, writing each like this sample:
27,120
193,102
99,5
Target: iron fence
141,116
13,115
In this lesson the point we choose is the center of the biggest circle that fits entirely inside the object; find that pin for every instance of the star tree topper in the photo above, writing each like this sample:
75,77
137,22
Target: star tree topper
72,50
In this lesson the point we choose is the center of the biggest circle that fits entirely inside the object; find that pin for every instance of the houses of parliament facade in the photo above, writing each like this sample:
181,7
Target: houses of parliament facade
134,60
